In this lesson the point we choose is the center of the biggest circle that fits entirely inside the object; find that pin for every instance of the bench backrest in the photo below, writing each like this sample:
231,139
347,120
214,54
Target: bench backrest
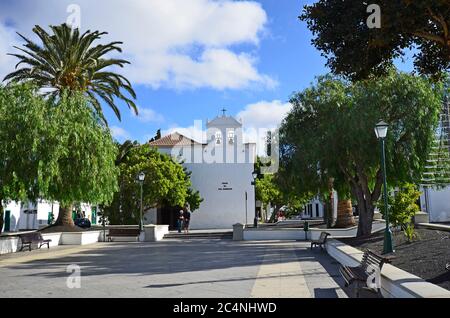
131,232
372,259
323,237
31,237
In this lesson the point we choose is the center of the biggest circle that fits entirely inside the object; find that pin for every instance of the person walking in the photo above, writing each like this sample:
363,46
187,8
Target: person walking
187,219
180,220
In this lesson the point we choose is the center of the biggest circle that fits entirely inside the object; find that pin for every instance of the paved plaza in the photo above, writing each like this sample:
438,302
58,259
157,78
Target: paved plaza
174,268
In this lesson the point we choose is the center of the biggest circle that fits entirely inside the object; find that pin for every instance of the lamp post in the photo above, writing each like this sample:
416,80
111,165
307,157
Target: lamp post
141,178
381,133
255,175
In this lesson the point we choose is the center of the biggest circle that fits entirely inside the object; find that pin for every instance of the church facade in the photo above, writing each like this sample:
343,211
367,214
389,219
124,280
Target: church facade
221,170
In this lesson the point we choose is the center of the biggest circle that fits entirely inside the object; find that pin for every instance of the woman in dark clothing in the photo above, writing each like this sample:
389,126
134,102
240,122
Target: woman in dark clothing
187,219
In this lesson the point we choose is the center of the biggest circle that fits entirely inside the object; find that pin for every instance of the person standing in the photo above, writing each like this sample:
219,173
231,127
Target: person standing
187,219
180,220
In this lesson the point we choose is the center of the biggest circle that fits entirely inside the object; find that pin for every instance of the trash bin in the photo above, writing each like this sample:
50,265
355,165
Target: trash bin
306,229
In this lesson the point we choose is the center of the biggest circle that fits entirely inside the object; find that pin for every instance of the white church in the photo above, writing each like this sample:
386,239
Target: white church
221,169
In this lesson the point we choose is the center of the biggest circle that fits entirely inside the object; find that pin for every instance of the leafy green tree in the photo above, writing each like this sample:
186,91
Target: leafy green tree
166,183
330,134
353,49
77,157
22,119
68,61
54,151
402,208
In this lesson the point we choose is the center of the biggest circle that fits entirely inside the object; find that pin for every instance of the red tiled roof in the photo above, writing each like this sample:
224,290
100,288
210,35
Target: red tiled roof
174,139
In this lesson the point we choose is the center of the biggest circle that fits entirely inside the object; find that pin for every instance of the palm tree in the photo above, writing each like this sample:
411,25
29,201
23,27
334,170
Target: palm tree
68,60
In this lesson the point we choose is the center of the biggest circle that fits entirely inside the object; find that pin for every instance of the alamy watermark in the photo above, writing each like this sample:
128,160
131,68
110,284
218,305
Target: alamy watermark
225,145
374,19
74,18
74,279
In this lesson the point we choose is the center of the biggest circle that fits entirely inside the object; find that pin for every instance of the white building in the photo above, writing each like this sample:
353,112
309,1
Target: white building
313,209
221,171
436,202
19,216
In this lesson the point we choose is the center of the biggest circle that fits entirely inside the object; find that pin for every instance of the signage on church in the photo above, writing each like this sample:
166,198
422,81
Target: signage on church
224,186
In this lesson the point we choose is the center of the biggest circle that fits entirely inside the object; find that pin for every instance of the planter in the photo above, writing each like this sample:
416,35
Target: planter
54,237
395,282
9,244
80,238
154,233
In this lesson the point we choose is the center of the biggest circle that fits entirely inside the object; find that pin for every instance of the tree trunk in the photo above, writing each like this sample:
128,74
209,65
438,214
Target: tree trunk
65,216
345,214
366,210
1,215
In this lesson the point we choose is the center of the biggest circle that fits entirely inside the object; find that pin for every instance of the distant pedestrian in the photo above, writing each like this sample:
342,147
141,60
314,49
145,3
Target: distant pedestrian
180,221
187,219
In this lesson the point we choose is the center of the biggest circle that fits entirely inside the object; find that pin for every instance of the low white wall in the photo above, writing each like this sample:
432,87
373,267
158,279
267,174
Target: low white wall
348,232
395,282
252,234
54,237
80,238
155,232
9,244
281,234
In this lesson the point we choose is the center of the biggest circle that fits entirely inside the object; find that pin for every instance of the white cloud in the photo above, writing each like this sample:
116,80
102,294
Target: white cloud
119,133
148,115
7,40
257,118
264,114
194,132
171,43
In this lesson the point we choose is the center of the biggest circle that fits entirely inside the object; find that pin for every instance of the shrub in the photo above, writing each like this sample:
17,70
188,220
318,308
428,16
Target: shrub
402,208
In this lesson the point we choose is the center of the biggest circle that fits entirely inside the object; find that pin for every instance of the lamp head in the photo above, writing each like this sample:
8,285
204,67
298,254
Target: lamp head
141,176
381,130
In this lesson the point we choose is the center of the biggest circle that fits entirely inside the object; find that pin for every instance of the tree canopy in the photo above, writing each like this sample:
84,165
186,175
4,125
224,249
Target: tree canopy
353,49
21,117
329,134
54,150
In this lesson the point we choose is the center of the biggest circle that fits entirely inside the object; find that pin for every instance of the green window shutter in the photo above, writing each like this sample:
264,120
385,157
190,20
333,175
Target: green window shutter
7,221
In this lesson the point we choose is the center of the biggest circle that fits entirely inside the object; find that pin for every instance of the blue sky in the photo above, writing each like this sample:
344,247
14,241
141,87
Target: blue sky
190,58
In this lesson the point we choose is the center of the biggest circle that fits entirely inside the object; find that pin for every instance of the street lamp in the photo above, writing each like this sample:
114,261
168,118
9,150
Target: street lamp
141,178
381,133
255,220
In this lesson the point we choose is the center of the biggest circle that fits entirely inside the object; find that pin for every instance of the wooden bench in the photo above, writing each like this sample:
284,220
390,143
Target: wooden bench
122,233
321,241
371,264
33,238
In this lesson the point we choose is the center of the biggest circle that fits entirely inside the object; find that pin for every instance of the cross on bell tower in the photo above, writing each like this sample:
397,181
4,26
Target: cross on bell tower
223,111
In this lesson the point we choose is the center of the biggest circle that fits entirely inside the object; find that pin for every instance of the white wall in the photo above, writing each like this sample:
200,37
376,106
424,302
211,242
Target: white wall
222,173
39,217
438,204
222,208
313,203
14,208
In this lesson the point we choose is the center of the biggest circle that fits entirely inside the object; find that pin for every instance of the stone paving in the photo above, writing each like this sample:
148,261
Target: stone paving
174,268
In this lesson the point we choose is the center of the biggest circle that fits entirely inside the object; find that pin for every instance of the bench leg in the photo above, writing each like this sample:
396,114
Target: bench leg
357,289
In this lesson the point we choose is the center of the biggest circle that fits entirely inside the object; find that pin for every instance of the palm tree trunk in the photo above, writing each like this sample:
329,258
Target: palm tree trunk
345,214
65,216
